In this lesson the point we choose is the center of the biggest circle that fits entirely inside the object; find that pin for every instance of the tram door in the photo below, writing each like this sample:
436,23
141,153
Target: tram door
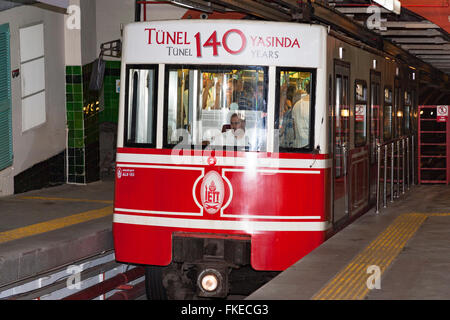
374,132
341,140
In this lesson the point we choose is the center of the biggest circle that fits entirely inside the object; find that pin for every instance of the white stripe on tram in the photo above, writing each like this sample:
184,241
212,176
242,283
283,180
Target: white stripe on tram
235,216
244,225
250,160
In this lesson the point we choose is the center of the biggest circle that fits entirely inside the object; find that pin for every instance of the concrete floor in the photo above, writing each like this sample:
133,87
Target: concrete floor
419,271
39,242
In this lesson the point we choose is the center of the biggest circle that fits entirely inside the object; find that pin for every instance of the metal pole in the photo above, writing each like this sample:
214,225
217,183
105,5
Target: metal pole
385,176
403,166
378,177
398,168
344,151
408,155
413,160
392,171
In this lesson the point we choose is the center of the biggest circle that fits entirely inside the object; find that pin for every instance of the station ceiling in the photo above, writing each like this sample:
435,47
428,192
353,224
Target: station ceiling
5,5
8,4
427,40
418,36
410,31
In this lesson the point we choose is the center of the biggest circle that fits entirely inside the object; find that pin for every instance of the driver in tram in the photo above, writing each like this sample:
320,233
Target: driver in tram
234,135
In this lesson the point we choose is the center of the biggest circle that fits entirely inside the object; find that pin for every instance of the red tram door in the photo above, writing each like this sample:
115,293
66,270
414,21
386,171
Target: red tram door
374,132
341,141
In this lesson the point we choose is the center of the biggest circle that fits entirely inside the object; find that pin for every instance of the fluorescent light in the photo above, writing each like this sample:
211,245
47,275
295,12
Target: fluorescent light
391,5
397,6
193,5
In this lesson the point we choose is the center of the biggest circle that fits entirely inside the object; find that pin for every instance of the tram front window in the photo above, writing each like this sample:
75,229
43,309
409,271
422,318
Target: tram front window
293,115
216,106
140,115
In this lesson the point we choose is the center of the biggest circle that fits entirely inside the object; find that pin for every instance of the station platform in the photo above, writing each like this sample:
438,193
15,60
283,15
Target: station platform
49,228
403,252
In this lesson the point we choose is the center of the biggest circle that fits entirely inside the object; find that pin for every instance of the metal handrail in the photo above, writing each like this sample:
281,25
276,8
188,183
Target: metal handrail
403,148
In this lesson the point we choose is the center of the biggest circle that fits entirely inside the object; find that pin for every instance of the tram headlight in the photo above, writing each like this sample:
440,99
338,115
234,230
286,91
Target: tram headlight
212,283
209,282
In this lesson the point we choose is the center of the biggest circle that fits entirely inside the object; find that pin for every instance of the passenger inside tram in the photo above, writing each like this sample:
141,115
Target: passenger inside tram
211,92
300,114
294,113
230,92
261,102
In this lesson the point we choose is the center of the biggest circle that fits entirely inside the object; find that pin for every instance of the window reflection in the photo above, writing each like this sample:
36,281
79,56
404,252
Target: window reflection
141,111
219,107
360,113
294,110
388,114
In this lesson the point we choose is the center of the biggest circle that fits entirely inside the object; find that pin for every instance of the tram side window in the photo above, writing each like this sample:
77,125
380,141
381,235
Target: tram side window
140,114
360,113
293,115
407,113
387,114
398,112
216,106
374,118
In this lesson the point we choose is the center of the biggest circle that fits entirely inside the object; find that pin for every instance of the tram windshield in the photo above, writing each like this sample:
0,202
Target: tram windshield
216,106
220,107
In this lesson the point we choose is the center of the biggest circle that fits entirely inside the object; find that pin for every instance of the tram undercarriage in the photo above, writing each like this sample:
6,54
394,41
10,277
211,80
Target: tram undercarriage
206,266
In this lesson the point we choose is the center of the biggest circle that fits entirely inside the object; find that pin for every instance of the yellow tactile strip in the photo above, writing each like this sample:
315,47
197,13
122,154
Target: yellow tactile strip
351,282
59,223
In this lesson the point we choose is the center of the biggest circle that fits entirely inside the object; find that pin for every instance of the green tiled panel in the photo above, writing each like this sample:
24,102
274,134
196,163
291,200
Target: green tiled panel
78,106
76,70
77,97
77,88
113,64
82,121
79,143
78,124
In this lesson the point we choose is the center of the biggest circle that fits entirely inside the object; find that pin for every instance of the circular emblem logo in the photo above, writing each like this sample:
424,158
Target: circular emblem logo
211,161
119,173
212,192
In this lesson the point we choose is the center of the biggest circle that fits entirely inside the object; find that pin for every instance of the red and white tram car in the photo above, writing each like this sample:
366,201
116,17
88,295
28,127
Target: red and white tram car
244,143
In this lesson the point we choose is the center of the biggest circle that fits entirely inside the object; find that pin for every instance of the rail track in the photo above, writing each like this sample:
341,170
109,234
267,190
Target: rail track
97,277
